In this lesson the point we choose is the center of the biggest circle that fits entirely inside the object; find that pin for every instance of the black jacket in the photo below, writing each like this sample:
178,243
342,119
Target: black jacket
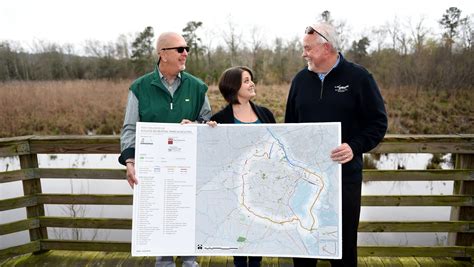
226,115
348,94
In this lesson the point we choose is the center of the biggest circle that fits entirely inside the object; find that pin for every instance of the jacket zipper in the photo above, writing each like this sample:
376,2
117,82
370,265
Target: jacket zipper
172,97
322,87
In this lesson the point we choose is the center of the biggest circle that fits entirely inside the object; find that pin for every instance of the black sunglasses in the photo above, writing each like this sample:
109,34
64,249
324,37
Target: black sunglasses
310,30
180,49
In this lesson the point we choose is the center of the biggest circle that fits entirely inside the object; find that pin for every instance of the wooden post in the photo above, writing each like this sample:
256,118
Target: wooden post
463,161
32,187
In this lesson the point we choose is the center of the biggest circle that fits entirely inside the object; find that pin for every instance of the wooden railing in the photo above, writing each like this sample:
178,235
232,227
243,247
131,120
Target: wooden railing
460,226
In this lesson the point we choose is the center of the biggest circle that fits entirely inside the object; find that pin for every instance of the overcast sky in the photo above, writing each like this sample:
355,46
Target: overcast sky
71,21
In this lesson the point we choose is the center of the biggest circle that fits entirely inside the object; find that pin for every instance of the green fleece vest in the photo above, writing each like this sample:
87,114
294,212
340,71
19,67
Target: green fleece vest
155,103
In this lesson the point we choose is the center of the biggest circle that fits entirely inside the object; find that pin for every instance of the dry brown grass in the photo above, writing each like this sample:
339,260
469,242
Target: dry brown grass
62,107
85,107
430,112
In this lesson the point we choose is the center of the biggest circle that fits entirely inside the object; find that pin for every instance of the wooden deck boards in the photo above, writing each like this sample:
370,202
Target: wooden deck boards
103,259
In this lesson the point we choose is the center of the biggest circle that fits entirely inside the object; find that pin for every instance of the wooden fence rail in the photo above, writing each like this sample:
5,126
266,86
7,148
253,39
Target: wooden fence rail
460,226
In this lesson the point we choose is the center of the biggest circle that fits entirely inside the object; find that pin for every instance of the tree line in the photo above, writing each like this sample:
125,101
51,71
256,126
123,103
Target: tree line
398,55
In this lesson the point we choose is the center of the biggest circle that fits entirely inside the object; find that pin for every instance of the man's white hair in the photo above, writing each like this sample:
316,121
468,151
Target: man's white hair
328,31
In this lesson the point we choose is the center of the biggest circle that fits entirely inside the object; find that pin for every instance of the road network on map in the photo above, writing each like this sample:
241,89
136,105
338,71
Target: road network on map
265,190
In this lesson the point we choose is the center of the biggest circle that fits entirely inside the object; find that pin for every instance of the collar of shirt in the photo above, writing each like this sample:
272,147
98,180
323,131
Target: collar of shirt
163,78
322,75
171,87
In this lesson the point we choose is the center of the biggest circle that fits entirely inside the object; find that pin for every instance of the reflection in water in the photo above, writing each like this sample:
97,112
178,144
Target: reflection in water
408,162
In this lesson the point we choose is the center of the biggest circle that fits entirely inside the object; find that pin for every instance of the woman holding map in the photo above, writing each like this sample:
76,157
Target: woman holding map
237,87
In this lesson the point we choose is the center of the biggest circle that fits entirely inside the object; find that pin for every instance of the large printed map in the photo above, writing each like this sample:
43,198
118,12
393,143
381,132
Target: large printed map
268,190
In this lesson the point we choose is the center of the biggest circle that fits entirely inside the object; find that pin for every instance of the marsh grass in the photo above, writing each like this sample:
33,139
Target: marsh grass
62,107
97,107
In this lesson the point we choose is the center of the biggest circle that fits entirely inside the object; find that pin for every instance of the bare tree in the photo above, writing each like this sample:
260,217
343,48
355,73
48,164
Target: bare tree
74,211
233,40
393,30
94,48
379,34
467,33
418,35
122,47
403,41
256,47
208,51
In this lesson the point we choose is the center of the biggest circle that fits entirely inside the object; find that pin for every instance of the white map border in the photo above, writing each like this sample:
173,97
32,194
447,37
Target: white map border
329,237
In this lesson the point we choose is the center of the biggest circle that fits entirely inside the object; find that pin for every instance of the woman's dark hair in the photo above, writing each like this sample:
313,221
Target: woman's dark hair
230,82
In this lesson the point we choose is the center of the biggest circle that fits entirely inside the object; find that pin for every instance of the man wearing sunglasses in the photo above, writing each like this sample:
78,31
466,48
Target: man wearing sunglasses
168,94
332,89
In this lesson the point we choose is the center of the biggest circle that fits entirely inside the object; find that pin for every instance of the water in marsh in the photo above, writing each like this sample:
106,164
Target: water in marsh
86,186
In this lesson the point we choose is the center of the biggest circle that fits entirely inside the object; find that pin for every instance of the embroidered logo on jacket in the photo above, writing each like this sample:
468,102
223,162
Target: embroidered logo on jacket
341,88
